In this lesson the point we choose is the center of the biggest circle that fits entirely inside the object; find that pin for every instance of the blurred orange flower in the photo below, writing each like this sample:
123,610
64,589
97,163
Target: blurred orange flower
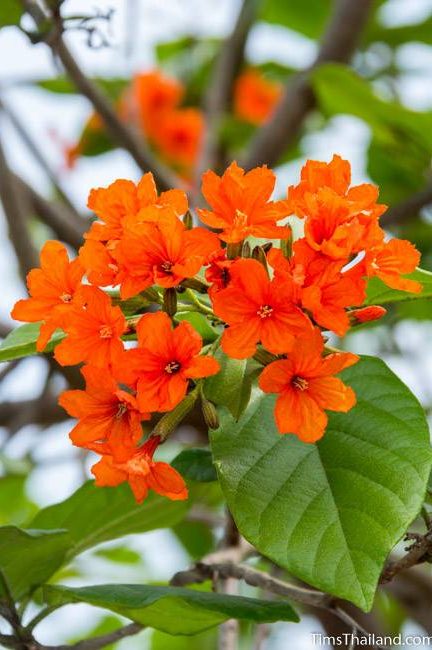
54,289
151,95
241,204
306,386
255,97
142,473
179,135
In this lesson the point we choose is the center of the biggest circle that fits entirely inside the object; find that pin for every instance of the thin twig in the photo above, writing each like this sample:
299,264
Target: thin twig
36,153
67,225
219,92
16,209
408,208
337,45
121,133
416,554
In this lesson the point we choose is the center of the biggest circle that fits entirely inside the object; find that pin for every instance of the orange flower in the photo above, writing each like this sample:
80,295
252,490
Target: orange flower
100,266
54,289
306,387
322,289
255,97
392,260
257,309
240,204
218,271
340,221
142,473
179,136
93,332
164,362
124,199
163,253
109,418
151,95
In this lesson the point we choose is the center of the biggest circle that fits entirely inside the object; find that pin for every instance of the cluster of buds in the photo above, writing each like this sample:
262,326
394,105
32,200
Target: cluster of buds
272,302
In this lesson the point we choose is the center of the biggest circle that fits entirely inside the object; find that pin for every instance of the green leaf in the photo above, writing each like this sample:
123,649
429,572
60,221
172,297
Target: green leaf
196,537
204,641
172,609
93,515
63,85
28,558
231,387
195,465
15,506
10,12
199,322
308,17
21,342
331,512
380,294
119,554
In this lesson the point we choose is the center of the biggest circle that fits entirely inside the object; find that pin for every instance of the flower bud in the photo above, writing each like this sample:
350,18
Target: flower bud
366,314
258,254
210,414
188,221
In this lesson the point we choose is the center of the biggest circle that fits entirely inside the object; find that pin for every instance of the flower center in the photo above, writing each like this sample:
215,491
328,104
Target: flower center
66,297
121,410
265,311
105,332
240,219
172,367
300,383
166,267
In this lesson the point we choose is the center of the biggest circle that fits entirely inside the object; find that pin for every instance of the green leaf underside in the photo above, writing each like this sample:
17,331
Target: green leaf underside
93,515
21,342
379,293
172,609
232,385
28,558
330,513
195,465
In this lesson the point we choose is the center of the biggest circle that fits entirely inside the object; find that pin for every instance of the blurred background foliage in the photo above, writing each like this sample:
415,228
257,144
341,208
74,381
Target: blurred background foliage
375,108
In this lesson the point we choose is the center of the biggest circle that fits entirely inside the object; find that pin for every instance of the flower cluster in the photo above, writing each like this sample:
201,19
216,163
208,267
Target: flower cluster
271,301
154,102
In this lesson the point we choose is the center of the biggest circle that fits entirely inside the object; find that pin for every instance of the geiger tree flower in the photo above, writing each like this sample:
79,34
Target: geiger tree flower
277,306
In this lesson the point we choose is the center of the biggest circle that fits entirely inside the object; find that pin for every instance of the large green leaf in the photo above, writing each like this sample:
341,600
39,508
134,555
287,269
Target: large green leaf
172,609
113,87
28,558
232,385
21,342
93,515
330,512
10,12
379,293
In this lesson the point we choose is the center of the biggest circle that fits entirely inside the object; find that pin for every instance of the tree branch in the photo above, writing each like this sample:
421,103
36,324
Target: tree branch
418,552
219,92
337,45
16,209
410,207
100,641
120,132
66,224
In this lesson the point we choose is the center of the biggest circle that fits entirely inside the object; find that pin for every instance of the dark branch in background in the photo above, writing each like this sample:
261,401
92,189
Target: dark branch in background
121,133
402,212
36,153
417,553
219,93
16,209
66,224
337,45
